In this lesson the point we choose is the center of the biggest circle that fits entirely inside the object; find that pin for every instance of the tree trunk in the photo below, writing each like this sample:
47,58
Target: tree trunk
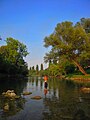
80,67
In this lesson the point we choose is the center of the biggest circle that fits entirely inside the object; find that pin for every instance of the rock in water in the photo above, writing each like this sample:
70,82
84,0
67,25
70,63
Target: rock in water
37,97
6,107
27,93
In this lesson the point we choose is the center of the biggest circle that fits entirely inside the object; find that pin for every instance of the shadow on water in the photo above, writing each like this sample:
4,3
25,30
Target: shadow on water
14,105
63,101
13,83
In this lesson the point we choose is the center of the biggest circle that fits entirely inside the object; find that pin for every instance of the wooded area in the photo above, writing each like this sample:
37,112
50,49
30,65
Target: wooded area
69,52
70,47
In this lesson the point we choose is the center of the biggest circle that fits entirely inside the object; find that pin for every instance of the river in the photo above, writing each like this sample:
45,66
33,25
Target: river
63,100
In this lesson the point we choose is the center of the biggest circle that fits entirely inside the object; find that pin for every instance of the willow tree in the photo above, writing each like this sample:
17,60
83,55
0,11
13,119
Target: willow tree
68,42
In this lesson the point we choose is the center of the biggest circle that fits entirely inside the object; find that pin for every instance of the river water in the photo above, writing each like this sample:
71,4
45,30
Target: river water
63,100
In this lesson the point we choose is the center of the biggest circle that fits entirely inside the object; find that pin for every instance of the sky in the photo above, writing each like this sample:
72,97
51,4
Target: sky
30,21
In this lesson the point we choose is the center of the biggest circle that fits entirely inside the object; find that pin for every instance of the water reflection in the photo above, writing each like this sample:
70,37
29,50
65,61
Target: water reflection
14,106
16,84
62,100
45,91
64,103
8,106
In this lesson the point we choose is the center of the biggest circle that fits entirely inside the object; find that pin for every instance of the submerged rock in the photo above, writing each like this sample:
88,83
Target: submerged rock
85,90
27,93
37,97
6,107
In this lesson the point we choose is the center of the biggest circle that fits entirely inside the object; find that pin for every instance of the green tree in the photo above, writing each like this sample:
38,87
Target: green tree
85,23
30,69
17,51
41,66
37,68
33,68
69,42
13,55
55,70
50,62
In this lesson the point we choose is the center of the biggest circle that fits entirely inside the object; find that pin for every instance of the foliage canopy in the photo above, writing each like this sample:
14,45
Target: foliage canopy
12,56
69,42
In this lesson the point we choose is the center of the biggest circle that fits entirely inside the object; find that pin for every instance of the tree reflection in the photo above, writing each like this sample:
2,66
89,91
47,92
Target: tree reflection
14,105
16,84
63,102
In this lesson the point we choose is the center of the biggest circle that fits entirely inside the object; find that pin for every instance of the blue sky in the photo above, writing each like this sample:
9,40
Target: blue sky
29,21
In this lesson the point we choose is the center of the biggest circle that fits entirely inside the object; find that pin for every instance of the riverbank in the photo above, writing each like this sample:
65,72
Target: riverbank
78,78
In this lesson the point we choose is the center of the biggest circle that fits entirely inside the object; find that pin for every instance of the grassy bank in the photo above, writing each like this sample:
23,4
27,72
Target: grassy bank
79,78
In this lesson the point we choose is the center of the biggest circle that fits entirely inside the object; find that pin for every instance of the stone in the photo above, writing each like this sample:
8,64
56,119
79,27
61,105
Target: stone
6,107
27,93
37,97
85,89
9,94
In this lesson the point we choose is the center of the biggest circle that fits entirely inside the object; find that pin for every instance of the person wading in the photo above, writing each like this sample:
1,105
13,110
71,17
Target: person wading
45,84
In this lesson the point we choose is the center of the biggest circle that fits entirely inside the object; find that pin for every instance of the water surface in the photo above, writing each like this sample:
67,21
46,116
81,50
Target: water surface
63,101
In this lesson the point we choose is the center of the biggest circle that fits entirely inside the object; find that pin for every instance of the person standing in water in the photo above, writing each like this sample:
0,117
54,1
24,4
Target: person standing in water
45,78
45,84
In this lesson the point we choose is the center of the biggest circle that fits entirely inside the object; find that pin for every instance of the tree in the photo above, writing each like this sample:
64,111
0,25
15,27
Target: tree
13,56
69,42
37,68
41,66
85,23
30,69
17,51
33,68
55,70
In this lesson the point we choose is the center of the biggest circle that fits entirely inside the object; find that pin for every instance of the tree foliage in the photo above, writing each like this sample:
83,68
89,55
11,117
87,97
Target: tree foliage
37,68
12,56
68,41
41,66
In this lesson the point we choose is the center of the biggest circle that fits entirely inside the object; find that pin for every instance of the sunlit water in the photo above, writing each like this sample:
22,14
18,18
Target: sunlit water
63,101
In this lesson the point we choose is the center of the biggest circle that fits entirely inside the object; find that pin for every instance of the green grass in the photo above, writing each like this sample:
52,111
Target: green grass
77,76
80,76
